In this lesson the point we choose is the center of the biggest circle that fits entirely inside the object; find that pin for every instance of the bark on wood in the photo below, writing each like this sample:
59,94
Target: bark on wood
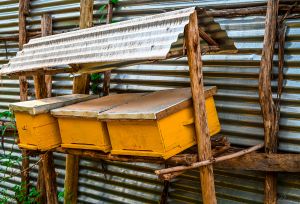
263,162
80,86
41,185
192,41
46,29
208,162
47,188
49,177
23,12
40,86
265,96
207,38
107,74
71,178
81,83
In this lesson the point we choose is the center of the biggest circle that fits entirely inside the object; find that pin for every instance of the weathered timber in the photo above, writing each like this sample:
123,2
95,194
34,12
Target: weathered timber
207,38
40,86
236,12
80,86
263,162
49,177
192,41
41,184
268,108
46,29
81,83
23,12
210,161
71,185
107,74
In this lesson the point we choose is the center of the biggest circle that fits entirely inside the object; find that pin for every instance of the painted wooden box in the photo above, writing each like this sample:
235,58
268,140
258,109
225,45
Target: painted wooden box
159,124
37,128
79,126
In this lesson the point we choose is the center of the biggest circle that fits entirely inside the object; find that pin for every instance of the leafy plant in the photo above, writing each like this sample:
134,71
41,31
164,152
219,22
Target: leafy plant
104,7
7,161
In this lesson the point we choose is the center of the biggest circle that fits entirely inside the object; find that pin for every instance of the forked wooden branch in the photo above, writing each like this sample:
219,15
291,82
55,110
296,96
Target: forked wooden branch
207,162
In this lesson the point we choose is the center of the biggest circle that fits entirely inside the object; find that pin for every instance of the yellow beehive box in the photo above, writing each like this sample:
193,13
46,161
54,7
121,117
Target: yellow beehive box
37,128
159,124
79,126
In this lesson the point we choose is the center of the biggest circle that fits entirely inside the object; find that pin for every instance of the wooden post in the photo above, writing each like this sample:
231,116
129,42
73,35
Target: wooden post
192,41
81,83
23,12
107,74
47,176
80,86
46,29
265,96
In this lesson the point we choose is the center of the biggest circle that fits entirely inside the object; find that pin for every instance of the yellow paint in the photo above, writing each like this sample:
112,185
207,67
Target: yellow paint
84,133
37,132
162,138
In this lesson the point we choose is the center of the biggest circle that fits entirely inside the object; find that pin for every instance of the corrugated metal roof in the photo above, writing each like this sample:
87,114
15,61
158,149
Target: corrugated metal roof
142,39
236,77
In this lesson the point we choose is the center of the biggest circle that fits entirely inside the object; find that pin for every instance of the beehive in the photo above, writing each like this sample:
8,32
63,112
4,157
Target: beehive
160,124
37,128
79,126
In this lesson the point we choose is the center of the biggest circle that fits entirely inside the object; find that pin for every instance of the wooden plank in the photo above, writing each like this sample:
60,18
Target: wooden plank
192,41
107,74
155,106
81,83
91,108
268,108
35,107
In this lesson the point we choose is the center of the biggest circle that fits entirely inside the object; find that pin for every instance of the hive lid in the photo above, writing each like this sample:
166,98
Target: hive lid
155,105
91,108
35,107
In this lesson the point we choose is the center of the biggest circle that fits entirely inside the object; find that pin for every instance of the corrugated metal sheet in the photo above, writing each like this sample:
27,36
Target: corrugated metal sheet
237,101
147,38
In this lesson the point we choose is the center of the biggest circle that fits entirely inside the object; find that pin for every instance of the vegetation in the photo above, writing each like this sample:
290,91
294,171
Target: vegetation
9,162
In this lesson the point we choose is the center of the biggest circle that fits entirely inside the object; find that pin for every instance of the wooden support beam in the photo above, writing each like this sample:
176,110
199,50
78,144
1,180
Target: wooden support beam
47,176
81,83
263,162
207,38
80,86
46,29
192,41
107,74
268,108
169,173
23,12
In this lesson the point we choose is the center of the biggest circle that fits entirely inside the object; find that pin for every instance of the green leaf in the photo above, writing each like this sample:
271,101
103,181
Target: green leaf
114,1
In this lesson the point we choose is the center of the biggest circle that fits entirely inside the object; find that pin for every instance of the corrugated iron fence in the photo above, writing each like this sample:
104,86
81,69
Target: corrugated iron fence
237,101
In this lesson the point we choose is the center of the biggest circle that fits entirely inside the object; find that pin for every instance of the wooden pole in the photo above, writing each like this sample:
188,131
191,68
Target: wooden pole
80,86
23,12
46,29
81,83
265,96
210,161
192,41
47,177
107,74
